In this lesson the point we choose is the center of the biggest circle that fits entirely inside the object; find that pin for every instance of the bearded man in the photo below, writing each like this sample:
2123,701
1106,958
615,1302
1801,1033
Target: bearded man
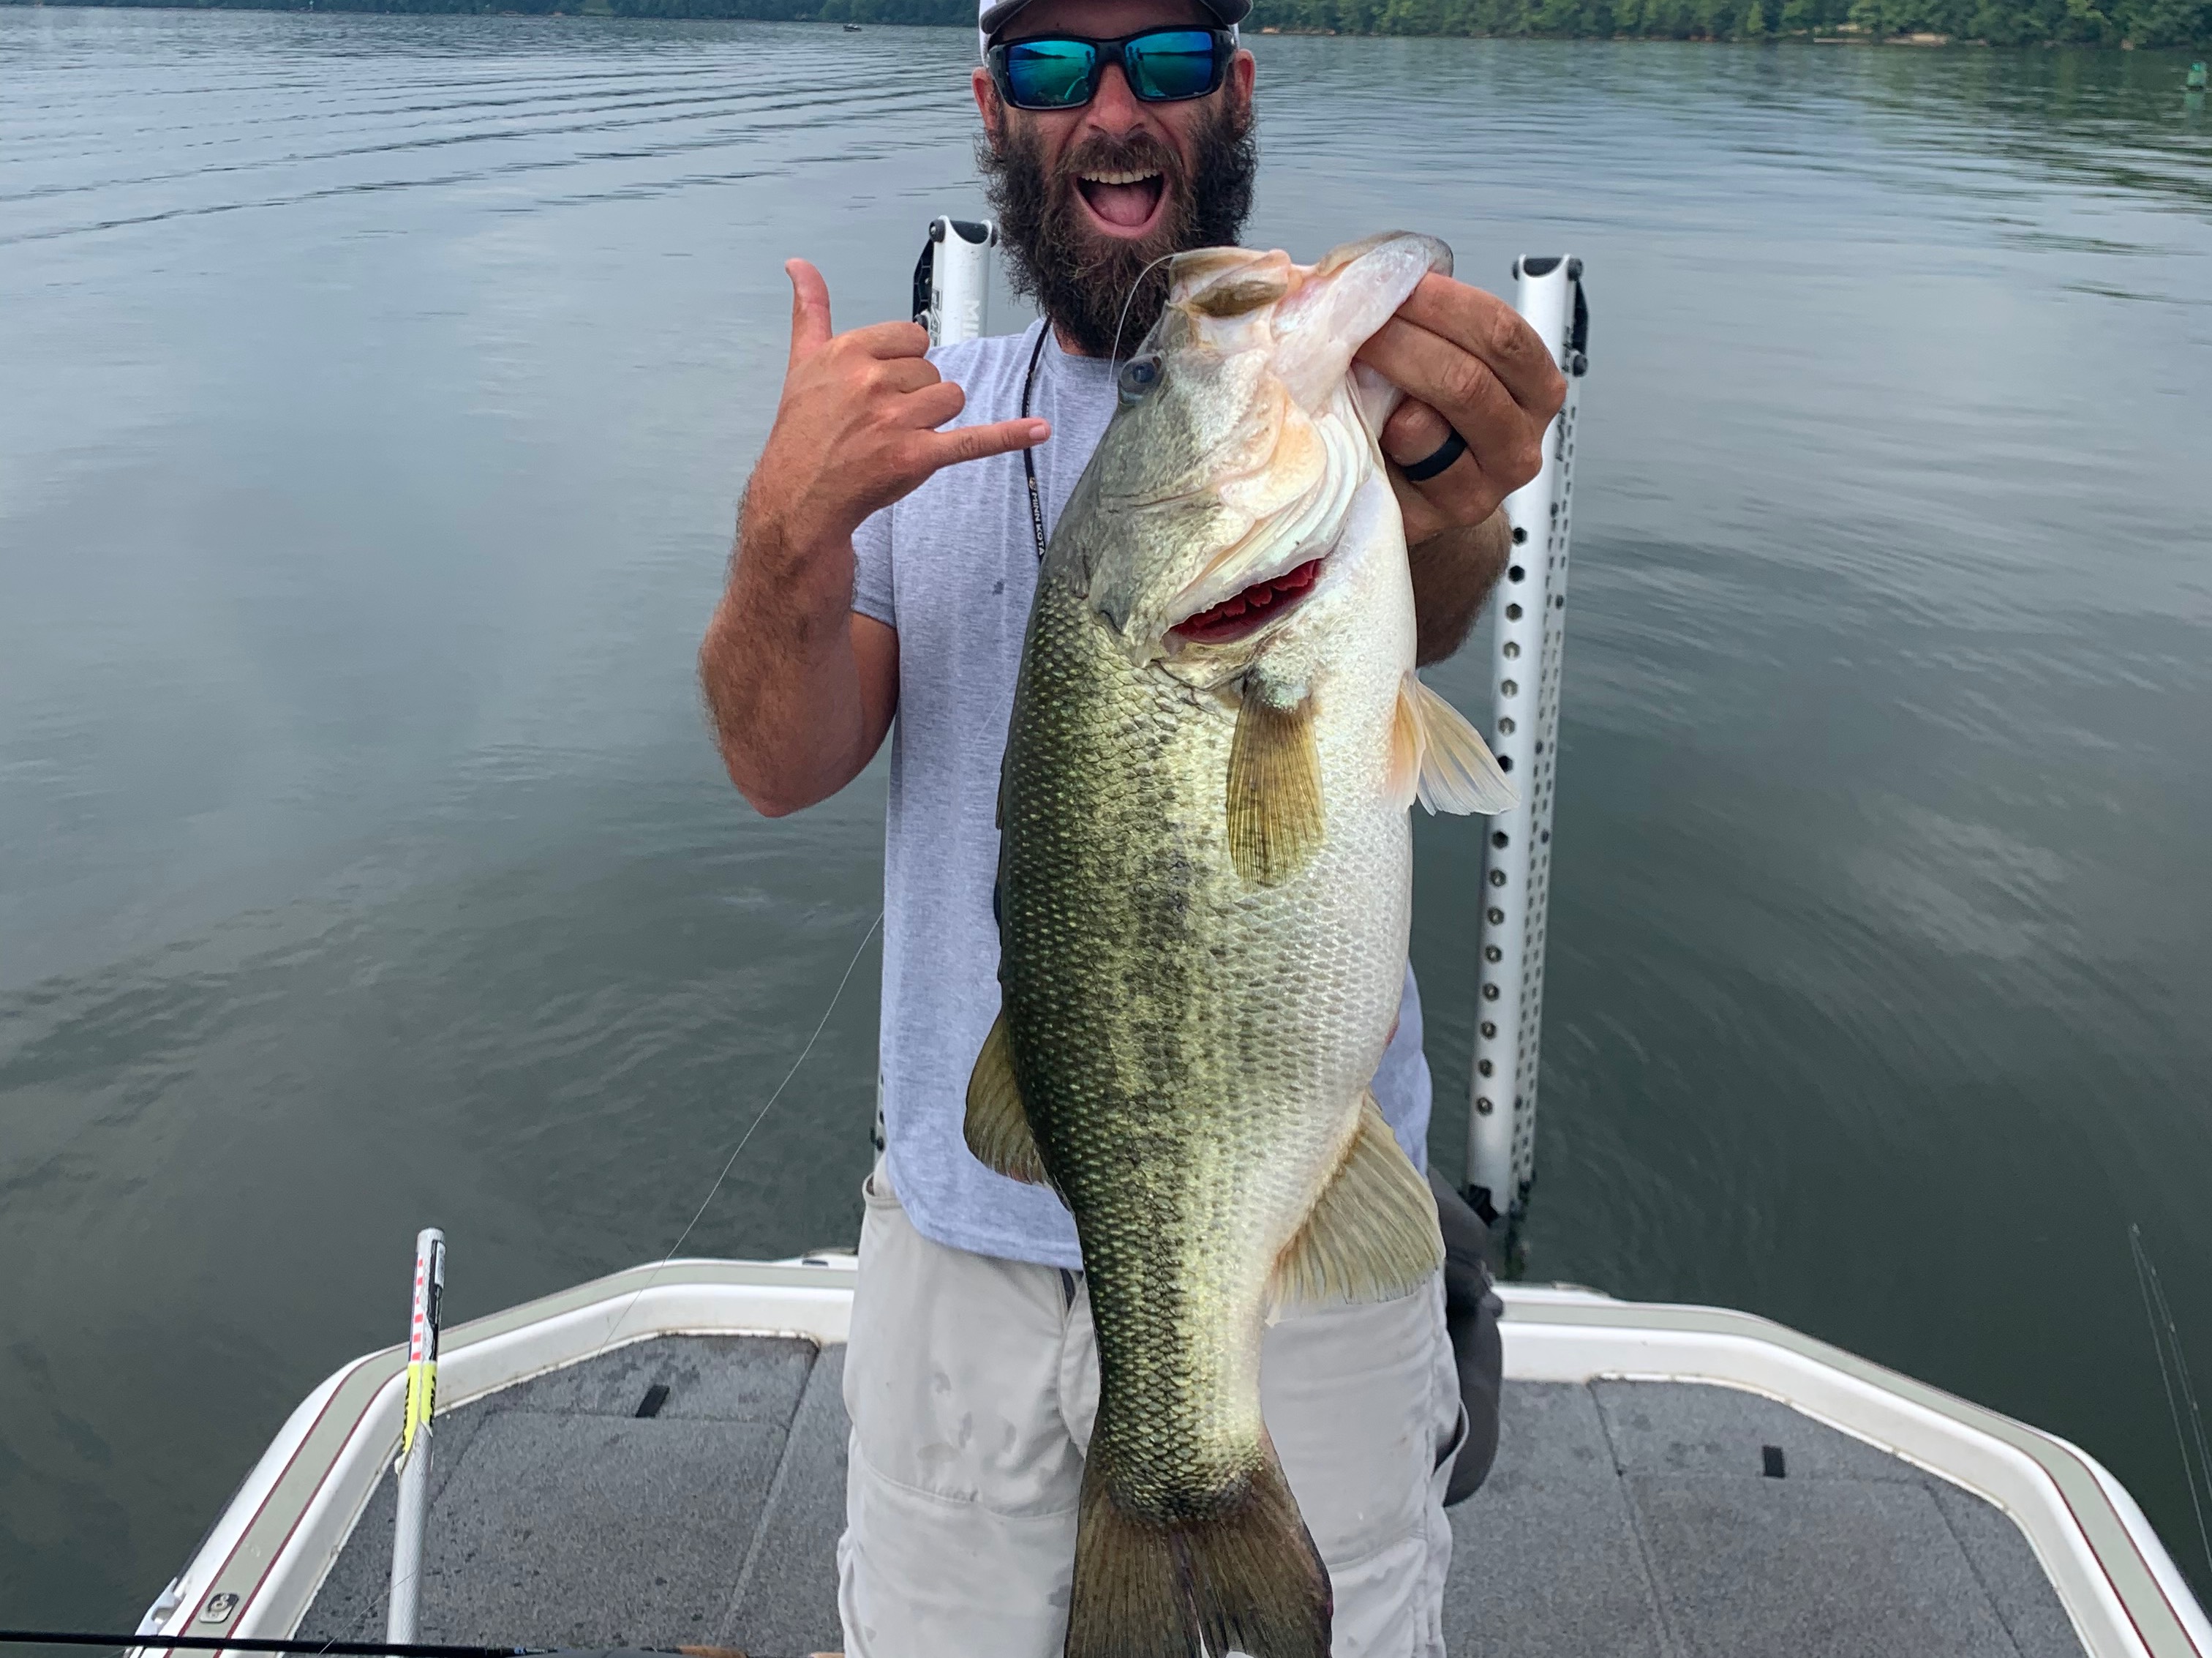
885,563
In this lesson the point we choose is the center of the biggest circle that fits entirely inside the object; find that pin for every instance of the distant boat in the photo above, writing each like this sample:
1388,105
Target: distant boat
855,28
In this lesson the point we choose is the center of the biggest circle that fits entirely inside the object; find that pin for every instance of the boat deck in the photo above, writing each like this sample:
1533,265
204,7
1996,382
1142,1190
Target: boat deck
588,1508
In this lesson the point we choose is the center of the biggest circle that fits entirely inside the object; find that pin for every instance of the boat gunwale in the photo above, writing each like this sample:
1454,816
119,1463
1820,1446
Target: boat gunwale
323,1495
2119,1586
2151,1600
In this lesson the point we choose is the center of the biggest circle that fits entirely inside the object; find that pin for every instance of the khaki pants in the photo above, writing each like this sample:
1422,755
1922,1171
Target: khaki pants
972,1382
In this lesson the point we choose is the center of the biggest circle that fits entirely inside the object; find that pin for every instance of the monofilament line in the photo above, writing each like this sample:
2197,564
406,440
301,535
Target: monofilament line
759,1117
2165,1340
1114,355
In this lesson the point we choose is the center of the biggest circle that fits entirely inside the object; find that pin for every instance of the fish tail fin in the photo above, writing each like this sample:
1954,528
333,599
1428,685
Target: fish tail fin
1246,1578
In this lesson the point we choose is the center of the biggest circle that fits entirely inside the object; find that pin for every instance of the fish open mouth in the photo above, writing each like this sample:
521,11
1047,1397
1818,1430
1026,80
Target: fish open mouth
1126,202
1251,610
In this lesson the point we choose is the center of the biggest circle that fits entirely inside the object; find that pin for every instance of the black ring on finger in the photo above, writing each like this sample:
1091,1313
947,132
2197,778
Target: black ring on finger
1450,450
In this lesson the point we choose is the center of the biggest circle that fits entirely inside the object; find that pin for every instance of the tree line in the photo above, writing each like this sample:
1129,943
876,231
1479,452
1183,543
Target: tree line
1998,22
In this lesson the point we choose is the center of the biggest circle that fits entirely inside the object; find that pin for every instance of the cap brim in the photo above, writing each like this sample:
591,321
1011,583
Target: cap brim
996,16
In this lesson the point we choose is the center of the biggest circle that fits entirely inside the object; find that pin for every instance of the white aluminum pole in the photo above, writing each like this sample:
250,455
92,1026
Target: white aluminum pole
952,282
1524,726
951,296
413,1467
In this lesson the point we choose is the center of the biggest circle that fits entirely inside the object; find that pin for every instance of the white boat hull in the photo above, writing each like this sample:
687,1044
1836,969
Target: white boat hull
277,1539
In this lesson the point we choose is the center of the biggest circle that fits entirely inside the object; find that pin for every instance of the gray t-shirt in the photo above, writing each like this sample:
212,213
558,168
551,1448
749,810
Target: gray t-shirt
953,567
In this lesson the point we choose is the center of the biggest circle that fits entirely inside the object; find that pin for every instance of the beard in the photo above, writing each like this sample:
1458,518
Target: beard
1097,289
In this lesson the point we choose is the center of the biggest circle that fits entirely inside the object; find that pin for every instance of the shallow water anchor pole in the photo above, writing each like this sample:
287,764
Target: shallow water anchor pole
952,278
413,1467
1530,610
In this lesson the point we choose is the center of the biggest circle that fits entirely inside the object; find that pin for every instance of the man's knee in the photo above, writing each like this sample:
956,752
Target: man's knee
1360,1403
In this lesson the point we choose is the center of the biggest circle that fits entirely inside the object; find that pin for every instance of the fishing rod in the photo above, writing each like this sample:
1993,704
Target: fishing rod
47,1638
38,1637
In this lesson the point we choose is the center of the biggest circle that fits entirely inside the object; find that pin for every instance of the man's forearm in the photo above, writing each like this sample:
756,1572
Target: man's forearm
779,675
801,690
1453,571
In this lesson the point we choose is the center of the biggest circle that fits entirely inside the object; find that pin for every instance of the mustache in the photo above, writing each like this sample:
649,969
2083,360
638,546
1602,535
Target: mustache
1140,152
1100,289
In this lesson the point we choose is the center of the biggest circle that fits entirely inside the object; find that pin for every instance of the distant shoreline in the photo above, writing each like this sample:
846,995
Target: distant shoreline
2122,25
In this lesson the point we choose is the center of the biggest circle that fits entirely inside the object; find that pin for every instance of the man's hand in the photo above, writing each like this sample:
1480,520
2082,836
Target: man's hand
801,689
856,427
1468,363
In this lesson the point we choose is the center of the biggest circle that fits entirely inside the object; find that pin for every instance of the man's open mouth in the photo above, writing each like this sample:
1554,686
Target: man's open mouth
1250,610
1123,201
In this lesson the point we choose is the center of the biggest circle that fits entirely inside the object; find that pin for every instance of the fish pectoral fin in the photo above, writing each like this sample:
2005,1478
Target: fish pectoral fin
1372,1236
1438,759
1274,791
998,1127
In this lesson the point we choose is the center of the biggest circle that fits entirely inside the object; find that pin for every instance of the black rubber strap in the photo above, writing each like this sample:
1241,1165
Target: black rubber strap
1422,471
1028,464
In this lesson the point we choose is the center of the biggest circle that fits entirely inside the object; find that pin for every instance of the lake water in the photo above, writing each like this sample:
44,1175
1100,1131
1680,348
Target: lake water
374,396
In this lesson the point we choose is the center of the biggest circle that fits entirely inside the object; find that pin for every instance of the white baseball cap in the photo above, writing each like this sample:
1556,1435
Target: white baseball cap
992,15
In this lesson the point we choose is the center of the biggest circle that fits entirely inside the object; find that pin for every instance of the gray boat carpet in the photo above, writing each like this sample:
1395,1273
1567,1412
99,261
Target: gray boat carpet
689,1491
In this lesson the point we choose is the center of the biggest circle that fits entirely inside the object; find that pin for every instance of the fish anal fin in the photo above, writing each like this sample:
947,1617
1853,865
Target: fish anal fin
1450,767
1275,824
997,1129
1372,1234
1244,1576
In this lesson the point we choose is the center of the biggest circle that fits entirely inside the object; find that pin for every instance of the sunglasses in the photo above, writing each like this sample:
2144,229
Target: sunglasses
1061,71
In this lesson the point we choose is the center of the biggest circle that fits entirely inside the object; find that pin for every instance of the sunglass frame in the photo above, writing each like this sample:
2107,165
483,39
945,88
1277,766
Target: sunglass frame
1114,50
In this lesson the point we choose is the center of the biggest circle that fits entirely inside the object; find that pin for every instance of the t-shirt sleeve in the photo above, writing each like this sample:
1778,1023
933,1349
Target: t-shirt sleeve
872,568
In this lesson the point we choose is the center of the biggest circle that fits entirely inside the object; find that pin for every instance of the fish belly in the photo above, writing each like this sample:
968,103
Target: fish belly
1192,1050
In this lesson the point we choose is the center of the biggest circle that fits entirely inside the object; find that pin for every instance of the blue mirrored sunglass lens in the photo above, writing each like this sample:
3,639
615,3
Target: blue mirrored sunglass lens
1050,72
1178,64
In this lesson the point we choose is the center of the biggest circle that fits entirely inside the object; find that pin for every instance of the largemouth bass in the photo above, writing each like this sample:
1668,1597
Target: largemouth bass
1205,889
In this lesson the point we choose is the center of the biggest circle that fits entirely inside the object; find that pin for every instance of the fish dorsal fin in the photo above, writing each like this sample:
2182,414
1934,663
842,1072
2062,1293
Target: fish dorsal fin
1274,791
1436,757
1372,1234
998,1128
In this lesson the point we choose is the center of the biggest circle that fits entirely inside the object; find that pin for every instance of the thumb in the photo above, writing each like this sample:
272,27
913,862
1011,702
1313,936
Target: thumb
810,309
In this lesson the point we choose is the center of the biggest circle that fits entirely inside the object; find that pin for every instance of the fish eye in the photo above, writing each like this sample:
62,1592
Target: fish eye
1138,376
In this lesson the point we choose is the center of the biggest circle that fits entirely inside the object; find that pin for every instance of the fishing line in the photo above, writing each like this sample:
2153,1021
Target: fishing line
334,1648
2164,1334
759,1117
1115,355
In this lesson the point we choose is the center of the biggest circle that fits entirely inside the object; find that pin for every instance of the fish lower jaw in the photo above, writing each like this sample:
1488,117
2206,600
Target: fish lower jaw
1244,615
